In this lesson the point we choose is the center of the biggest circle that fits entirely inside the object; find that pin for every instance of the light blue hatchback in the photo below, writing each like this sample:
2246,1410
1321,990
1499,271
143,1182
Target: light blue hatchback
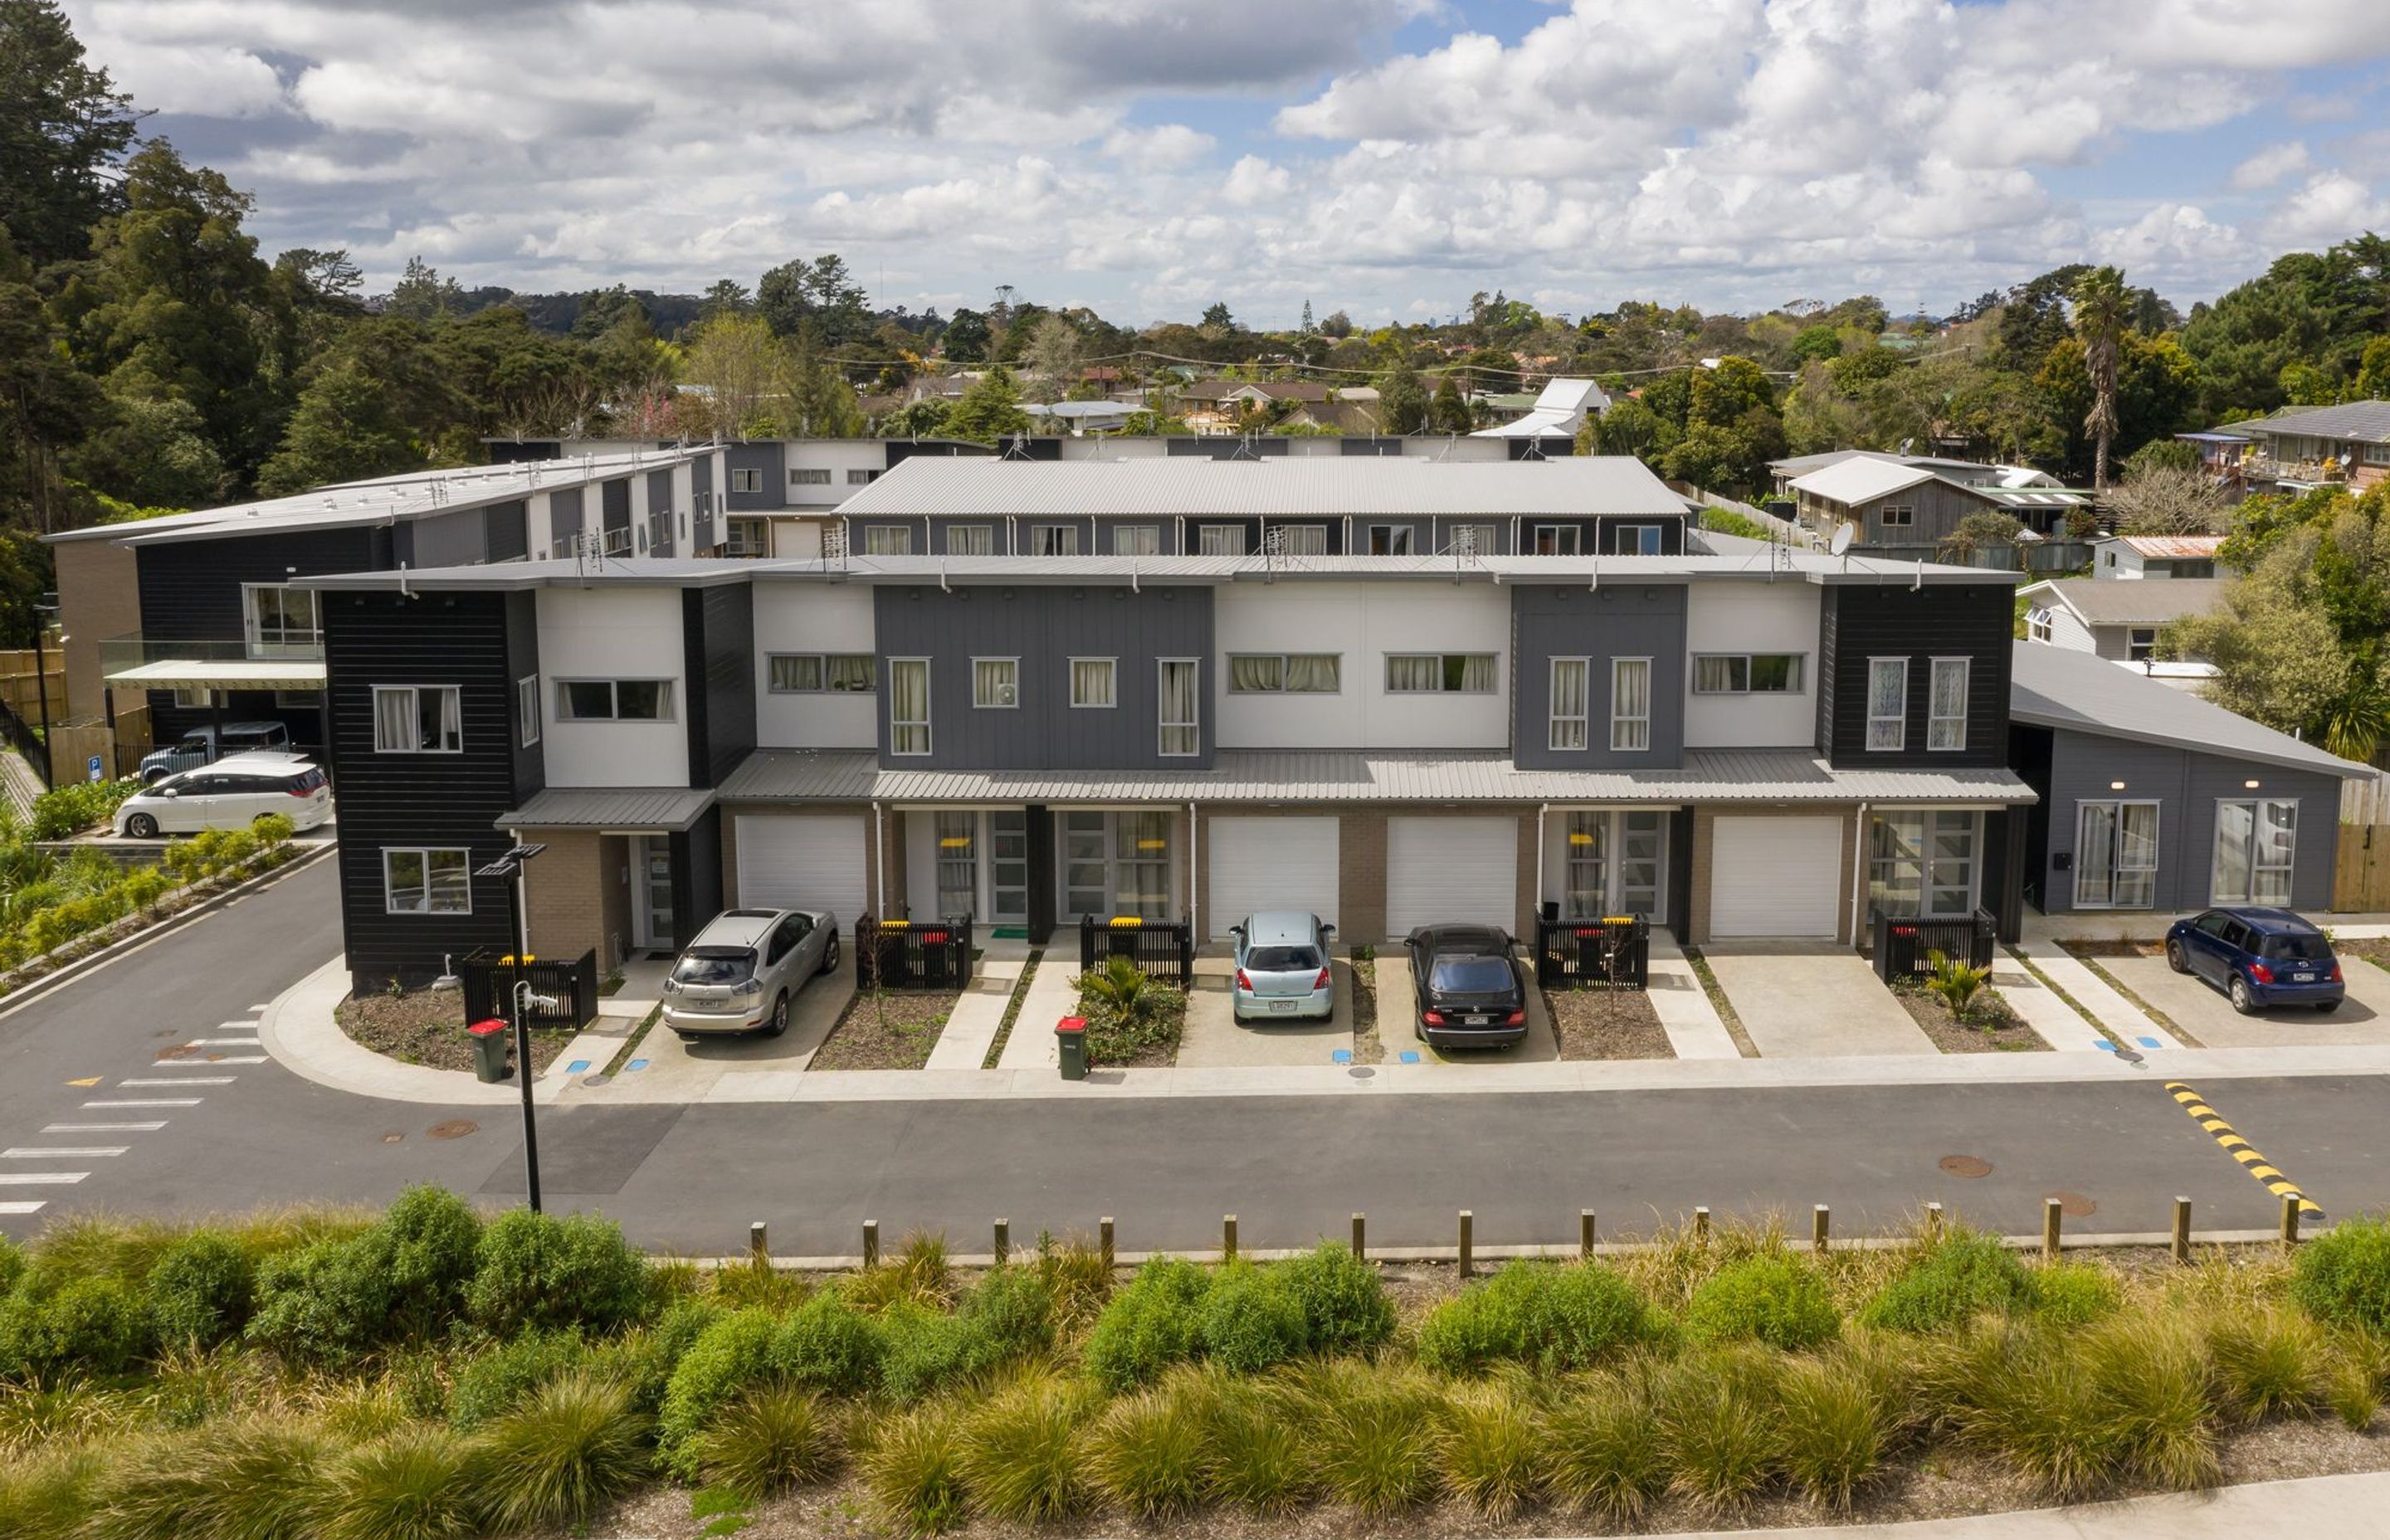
1282,972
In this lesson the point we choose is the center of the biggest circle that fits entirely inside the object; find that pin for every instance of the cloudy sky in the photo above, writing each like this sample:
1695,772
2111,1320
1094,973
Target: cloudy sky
1389,157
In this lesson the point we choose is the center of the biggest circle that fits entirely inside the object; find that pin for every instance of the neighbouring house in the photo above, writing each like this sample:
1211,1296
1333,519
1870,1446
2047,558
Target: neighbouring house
2121,622
2157,556
1083,417
2151,799
1914,507
1557,412
2300,447
1219,405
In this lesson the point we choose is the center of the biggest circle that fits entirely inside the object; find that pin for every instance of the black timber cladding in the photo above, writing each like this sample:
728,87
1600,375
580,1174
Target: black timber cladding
424,800
718,640
1859,621
563,518
664,536
507,533
1611,621
614,502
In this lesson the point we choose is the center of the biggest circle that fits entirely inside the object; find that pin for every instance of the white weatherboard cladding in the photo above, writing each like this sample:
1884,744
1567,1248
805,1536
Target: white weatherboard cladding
1775,876
1451,869
1363,622
616,633
1259,864
808,617
802,860
1752,617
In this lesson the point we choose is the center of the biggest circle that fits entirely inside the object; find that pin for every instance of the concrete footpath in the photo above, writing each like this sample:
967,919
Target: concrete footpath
2315,1508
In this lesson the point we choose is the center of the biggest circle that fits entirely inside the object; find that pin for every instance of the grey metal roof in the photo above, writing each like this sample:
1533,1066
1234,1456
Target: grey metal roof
2133,601
1350,776
1273,487
667,808
2056,686
2368,421
1800,465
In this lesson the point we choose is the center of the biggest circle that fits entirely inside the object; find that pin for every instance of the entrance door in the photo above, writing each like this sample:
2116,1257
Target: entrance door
653,855
1008,870
1114,864
2116,855
958,865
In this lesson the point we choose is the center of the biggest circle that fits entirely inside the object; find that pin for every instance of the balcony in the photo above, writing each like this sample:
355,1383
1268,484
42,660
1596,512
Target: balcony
135,661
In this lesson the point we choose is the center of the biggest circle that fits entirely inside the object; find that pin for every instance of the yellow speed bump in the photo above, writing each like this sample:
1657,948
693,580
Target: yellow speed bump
2238,1148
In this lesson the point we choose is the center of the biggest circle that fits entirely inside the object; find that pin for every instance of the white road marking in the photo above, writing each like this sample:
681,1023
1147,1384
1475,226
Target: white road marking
34,1206
222,1043
184,1080
85,1152
104,1128
235,1026
261,1010
40,1178
151,1101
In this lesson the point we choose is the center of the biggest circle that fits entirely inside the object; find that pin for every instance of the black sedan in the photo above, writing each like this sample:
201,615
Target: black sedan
1468,990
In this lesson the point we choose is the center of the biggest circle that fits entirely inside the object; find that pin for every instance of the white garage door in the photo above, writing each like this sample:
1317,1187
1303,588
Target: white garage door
1451,869
1264,864
1775,876
802,860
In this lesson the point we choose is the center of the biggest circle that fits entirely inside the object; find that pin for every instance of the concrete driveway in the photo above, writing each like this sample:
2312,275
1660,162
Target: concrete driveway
2200,1008
1213,1039
679,1071
1799,1000
1398,1028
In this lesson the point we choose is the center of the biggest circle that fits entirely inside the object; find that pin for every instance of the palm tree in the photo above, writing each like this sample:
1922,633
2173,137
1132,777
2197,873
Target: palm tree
2102,311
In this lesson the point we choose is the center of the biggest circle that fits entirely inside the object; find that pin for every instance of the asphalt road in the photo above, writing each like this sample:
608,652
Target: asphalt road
1291,1169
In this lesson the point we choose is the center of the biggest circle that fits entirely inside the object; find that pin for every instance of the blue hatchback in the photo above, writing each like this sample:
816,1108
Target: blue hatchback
2259,957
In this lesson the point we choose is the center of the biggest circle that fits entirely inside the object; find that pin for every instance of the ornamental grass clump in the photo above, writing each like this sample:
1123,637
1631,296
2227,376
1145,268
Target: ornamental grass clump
1949,1281
1836,1427
1489,1450
912,1469
1721,1426
1149,1453
2075,1293
1258,1455
772,1438
2274,1362
1375,1434
1770,1298
1153,1322
2076,1412
1600,1447
918,1273
256,1479
1554,1317
407,1487
573,1446
1019,1454
48,1496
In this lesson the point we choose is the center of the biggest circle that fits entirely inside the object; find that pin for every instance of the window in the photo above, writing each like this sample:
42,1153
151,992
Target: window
281,621
1287,672
417,719
2036,625
746,480
811,672
527,709
1587,869
995,683
1220,540
1092,681
1635,539
1473,539
970,540
1945,712
191,699
1558,539
2115,855
427,881
1922,862
888,540
861,478
617,540
809,476
1888,704
1747,673
1440,673
1136,540
957,864
613,700
1896,516
746,537
2201,569
1630,704
1182,730
1567,729
1053,540
1303,539
2142,643
1389,540
2377,453
908,705
2256,841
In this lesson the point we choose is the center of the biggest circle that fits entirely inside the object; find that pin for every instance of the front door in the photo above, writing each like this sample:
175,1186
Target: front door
1114,864
2116,855
957,865
1008,871
653,889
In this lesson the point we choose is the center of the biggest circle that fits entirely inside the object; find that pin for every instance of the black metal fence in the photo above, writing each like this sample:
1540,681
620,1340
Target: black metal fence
1593,954
1160,948
1903,947
489,979
900,953
21,738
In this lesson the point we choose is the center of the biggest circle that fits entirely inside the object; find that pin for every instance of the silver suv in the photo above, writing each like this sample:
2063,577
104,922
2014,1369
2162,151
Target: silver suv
741,970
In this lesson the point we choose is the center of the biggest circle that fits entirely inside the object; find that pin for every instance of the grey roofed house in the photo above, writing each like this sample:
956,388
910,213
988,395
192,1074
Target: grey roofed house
2054,687
2124,603
2363,421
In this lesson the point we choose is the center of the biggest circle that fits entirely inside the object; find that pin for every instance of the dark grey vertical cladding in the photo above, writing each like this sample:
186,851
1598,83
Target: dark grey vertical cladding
697,874
1555,446
1894,619
1616,620
614,509
1039,819
1046,627
522,664
564,515
718,631
508,534
518,451
2030,752
701,477
1604,533
901,450
1680,886
420,801
1379,447
665,538
769,459
1227,448
704,528
458,539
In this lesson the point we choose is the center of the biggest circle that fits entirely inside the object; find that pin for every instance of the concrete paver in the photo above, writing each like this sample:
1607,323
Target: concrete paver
1683,1005
2200,1010
972,1028
1796,999
1213,1040
2051,1018
1052,996
2126,1021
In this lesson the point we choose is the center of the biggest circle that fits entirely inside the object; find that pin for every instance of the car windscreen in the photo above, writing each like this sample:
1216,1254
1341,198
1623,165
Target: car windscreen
2296,948
716,965
1469,976
1282,959
194,744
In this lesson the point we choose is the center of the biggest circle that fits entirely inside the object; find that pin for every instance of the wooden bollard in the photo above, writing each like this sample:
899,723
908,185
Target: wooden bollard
1702,1225
1003,1241
1468,1223
1104,1242
1361,1235
2291,1219
1933,1220
2182,1229
759,1250
871,1243
1585,1235
2053,1215
1227,1238
1821,1225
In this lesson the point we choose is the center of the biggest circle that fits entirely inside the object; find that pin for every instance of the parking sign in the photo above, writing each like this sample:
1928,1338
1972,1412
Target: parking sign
93,767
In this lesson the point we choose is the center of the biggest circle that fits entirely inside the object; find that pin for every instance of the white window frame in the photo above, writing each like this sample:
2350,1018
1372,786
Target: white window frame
1938,741
887,539
1163,726
1112,686
1897,738
425,852
1567,539
1623,725
896,726
284,643
667,700
2117,806
1483,539
1064,537
1797,674
2248,892
527,709
1219,540
809,475
1896,516
414,694
2137,650
746,479
1149,537
860,477
1558,726
1440,689
1285,662
2038,627
1396,535
821,671
980,538
1010,679
1303,539
1627,539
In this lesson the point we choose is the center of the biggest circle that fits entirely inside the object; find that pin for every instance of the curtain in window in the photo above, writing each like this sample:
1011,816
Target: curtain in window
1715,675
394,731
1220,540
1887,692
908,708
1091,682
1568,703
1410,674
885,541
1180,731
452,720
1477,674
970,540
1247,675
1630,703
792,673
992,683
1304,539
1948,718
851,674
2234,826
1136,540
1313,673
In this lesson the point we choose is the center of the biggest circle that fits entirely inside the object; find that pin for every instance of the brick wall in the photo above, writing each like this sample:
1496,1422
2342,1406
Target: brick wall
100,596
576,895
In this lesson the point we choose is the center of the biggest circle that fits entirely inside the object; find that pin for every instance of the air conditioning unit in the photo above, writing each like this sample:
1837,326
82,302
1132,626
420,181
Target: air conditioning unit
1008,695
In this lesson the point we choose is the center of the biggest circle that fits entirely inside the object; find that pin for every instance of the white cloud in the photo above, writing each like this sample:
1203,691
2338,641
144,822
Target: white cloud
1253,180
2330,207
2268,166
1164,146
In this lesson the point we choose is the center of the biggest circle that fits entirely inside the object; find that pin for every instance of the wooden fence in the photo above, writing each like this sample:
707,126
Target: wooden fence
2360,879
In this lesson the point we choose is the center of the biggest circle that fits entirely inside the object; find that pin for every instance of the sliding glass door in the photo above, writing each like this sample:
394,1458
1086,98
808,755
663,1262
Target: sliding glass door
2116,855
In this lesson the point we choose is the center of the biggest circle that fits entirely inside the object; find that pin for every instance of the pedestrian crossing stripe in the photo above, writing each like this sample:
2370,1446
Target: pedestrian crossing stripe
2241,1149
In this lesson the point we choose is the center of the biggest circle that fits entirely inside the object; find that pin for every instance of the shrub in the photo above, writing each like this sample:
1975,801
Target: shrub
1772,1299
1601,1450
559,1457
432,1234
1150,1324
409,1486
2268,1362
12,1264
1556,1317
1346,1308
1149,1454
263,1479
2075,1293
1013,1311
78,805
926,1349
2343,1276
497,1381
728,1355
327,1302
1258,1455
1835,1429
1953,1280
534,1271
828,1346
772,1438
201,1289
1249,1321
1720,1428
1489,1452
1018,1454
911,1471
84,1325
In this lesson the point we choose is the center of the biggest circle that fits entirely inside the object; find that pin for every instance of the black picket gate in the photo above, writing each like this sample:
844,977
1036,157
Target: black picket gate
1903,947
1161,948
489,978
903,953
1593,954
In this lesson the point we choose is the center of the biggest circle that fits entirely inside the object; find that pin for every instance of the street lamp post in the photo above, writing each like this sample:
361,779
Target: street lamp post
510,865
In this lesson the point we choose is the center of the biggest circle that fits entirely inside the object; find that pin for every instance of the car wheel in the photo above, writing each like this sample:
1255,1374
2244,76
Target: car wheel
779,1022
1418,1031
2174,960
687,1037
830,955
2327,1006
2242,999
141,827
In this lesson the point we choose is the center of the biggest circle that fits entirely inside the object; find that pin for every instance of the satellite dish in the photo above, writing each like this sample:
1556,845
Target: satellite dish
1840,542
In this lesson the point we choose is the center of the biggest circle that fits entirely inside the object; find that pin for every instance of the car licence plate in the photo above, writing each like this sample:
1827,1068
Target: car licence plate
2302,978
1476,1020
1283,1008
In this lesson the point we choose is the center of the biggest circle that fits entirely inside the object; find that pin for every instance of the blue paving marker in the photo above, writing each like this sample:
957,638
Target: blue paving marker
2150,1043
576,1067
2103,1045
1342,1056
1409,1057
634,1064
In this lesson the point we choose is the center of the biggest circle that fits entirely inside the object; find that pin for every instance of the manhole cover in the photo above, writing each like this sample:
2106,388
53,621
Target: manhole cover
1966,1166
393,1138
2073,1206
601,1078
455,1128
1361,1072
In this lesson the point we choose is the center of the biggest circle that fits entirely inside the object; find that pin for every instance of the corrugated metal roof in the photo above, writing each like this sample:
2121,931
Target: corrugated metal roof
2134,601
1861,479
2166,547
2053,686
1335,776
2368,421
1277,486
667,808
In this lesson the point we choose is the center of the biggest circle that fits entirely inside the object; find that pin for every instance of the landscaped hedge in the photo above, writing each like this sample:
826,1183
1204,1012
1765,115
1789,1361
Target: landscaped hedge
49,900
431,1374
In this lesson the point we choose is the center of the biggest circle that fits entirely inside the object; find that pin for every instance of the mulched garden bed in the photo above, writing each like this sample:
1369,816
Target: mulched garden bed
1368,1046
894,1030
1607,1023
2112,947
2375,952
1155,1048
427,1027
1991,1026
